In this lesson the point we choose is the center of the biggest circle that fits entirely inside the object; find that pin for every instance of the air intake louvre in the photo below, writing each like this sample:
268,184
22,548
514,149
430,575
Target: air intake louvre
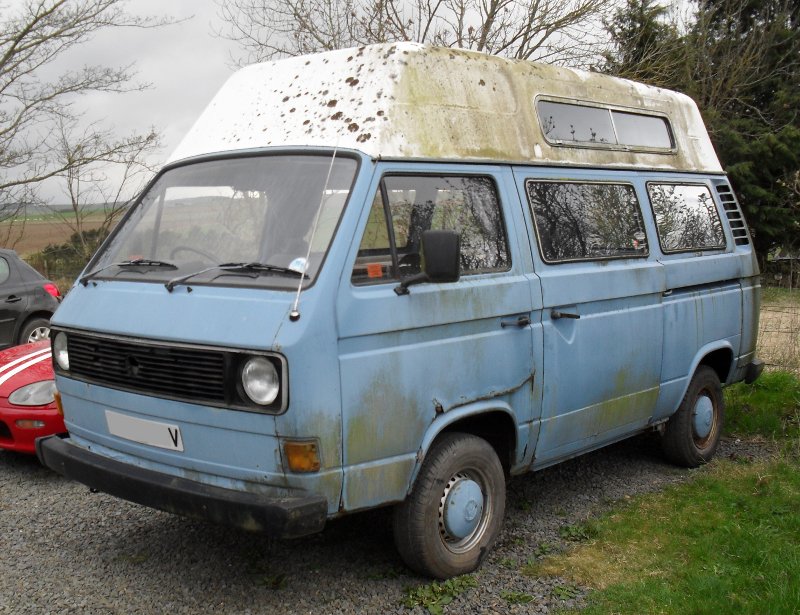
738,226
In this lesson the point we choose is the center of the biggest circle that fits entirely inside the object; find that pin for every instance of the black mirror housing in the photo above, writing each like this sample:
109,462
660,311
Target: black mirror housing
442,251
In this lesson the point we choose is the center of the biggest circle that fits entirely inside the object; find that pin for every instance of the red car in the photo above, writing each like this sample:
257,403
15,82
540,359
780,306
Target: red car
27,397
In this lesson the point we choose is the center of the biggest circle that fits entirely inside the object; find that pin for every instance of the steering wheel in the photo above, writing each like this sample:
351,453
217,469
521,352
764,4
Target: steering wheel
177,249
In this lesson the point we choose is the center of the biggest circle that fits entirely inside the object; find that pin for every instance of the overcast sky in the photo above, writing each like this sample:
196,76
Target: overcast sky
184,63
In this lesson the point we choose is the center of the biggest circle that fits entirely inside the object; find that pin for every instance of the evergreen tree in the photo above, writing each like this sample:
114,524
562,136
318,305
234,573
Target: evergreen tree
740,60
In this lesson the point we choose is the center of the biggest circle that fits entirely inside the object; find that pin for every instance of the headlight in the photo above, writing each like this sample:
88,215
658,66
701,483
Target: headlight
60,353
260,380
34,394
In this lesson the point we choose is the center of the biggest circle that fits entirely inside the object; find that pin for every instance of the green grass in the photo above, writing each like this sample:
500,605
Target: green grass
438,594
769,407
724,543
780,296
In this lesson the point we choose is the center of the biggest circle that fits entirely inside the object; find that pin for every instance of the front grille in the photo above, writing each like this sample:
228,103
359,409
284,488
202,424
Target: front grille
209,376
5,432
180,372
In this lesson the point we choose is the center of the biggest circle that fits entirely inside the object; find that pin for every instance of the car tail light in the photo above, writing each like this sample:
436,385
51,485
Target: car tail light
52,289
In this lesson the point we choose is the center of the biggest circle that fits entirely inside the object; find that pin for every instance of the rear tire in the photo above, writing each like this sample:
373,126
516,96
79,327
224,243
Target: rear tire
692,434
455,510
35,330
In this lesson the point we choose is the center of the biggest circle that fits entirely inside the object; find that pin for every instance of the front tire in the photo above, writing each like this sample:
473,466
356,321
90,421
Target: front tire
455,510
692,434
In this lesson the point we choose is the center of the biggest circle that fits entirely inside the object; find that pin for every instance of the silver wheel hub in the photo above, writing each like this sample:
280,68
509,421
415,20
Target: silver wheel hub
39,334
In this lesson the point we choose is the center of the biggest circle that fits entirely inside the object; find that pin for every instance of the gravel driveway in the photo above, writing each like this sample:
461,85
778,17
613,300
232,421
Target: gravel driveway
66,550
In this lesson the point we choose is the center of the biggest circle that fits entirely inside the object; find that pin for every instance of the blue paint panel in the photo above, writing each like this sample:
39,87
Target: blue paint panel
405,360
694,318
602,370
751,307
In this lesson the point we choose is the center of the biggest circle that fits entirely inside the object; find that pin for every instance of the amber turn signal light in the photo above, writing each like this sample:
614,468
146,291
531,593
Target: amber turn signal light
302,456
59,407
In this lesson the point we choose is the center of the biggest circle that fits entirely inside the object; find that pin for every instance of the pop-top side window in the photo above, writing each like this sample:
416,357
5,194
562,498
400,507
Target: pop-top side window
638,130
576,123
586,221
469,205
686,217
593,126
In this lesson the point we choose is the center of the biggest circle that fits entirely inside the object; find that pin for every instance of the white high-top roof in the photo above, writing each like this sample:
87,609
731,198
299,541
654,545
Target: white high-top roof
412,101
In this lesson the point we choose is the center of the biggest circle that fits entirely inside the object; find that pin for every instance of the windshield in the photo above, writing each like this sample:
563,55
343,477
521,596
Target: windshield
258,210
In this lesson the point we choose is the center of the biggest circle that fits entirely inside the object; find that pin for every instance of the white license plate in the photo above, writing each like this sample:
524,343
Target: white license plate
152,433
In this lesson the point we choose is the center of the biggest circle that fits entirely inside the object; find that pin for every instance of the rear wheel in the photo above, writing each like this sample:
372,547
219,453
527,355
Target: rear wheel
455,510
692,434
35,330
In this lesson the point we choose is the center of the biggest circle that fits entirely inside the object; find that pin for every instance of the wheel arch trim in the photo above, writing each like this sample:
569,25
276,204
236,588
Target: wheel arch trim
444,422
700,359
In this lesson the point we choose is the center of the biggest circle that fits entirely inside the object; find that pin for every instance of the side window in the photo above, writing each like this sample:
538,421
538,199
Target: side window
686,217
593,126
586,221
5,272
469,205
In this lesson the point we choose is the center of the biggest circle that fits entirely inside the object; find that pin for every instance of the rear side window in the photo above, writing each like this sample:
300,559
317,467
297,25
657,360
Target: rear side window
586,221
406,206
686,217
5,272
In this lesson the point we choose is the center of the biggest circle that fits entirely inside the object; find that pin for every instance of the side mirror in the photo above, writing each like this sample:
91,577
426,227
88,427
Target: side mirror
442,251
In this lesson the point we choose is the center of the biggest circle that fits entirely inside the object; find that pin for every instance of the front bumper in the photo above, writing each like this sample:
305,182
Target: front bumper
21,440
753,371
287,517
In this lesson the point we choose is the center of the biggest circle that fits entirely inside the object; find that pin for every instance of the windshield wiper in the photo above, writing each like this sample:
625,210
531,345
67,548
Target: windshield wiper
136,262
236,267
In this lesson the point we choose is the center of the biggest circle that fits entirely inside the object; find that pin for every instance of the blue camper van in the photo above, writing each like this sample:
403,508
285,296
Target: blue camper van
396,275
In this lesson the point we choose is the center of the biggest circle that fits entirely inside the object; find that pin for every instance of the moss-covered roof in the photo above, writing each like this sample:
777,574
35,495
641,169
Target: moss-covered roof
408,100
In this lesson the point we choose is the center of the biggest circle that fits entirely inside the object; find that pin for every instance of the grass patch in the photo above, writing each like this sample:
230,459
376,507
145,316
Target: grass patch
769,407
780,296
724,543
435,596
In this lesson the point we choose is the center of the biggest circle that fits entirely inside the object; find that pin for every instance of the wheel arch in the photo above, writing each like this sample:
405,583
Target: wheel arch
23,322
719,356
494,423
720,360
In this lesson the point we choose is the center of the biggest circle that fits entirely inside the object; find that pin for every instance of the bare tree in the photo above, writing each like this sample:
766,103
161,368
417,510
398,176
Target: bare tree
561,31
100,175
33,107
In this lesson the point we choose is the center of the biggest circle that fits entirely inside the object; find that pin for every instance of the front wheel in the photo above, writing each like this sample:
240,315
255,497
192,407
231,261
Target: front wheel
35,330
455,510
692,434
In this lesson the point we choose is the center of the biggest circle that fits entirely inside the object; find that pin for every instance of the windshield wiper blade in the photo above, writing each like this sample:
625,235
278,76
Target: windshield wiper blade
253,266
136,262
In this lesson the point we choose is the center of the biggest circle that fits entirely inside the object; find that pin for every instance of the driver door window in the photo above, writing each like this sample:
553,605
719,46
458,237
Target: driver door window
391,246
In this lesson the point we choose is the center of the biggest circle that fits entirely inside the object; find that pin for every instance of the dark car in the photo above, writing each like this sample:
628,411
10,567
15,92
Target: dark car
27,301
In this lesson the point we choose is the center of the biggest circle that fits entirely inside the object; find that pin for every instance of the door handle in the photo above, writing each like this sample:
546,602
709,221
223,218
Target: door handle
522,321
13,299
555,315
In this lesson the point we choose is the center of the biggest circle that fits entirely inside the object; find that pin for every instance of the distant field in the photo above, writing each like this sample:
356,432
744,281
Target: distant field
35,233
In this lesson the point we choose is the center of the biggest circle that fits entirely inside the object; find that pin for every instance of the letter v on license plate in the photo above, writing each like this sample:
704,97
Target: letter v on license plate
152,433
